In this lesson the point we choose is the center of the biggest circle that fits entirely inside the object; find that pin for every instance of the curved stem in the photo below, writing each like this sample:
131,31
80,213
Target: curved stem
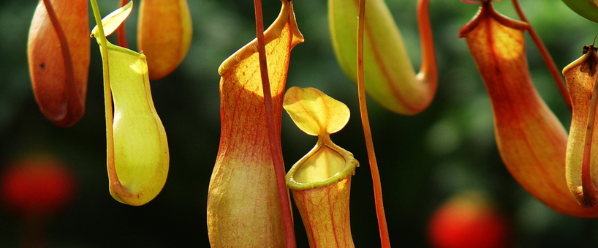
66,54
554,71
363,110
107,93
277,161
428,70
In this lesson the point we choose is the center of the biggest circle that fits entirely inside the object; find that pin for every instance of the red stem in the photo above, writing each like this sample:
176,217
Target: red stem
428,69
554,71
66,54
384,237
120,32
276,152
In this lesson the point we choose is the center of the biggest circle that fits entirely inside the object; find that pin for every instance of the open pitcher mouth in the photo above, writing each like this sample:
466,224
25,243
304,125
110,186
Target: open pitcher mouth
325,164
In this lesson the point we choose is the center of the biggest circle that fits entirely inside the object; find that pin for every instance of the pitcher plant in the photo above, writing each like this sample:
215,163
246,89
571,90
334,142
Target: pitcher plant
248,200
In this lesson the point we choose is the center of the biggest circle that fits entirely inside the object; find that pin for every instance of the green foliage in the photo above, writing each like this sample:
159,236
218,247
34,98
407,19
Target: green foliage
585,8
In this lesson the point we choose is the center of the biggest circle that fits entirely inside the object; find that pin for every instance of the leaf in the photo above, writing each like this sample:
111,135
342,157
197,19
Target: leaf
582,160
139,166
114,19
315,112
243,204
164,34
389,75
325,214
585,8
321,180
530,139
138,155
60,92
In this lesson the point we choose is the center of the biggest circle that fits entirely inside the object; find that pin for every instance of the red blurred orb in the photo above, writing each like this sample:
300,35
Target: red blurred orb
467,221
37,186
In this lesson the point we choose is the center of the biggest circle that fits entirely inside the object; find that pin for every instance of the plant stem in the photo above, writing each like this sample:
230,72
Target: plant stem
384,237
107,92
428,69
277,161
554,71
66,54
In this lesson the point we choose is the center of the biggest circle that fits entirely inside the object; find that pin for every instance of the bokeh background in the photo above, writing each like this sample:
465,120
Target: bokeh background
424,159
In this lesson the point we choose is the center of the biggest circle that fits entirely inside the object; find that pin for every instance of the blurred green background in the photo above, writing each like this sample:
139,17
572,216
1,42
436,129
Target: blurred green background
423,159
